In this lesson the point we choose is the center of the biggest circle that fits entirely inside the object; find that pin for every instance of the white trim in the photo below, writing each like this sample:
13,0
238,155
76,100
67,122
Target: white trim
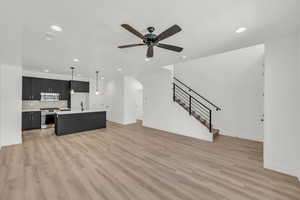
282,169
128,123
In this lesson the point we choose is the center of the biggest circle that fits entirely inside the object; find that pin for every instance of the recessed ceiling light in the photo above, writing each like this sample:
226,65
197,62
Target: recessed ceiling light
147,59
241,30
56,28
76,60
183,57
119,69
102,78
49,36
46,70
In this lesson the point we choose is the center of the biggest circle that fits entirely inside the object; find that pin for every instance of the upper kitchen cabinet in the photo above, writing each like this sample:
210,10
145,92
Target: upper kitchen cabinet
64,90
27,88
36,88
48,86
80,86
31,88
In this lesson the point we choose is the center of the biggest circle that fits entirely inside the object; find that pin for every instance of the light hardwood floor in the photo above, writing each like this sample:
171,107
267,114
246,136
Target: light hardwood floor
132,162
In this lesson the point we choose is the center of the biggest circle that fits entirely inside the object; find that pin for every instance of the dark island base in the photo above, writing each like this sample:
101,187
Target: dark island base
78,122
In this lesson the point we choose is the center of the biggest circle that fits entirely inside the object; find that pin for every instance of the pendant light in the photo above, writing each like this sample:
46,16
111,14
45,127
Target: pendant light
72,68
97,83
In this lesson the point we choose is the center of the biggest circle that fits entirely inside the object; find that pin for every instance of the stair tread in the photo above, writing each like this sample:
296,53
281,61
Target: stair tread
215,131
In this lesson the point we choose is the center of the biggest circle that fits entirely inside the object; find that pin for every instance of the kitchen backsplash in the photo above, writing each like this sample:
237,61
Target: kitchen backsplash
44,104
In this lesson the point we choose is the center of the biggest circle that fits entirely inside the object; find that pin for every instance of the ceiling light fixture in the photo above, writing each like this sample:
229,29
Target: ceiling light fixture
119,69
78,74
97,83
183,57
72,68
49,36
46,70
76,60
147,59
241,30
56,28
102,78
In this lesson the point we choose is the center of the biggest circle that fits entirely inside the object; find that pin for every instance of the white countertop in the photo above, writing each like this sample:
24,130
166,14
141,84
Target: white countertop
79,111
37,109
31,110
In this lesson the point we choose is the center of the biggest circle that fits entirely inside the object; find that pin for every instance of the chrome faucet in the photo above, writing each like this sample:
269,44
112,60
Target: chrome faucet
81,104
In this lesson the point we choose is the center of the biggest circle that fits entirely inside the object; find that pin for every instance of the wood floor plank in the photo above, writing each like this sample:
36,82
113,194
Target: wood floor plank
136,163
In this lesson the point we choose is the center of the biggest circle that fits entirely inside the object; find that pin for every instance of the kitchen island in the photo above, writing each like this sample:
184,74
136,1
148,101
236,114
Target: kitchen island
68,122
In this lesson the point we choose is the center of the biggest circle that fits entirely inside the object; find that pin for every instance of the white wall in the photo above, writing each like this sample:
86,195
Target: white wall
0,107
233,81
160,112
139,104
96,101
76,100
114,99
11,15
120,96
11,104
282,87
130,96
10,57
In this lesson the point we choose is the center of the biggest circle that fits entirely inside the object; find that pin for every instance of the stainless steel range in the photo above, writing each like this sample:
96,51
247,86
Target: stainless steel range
48,117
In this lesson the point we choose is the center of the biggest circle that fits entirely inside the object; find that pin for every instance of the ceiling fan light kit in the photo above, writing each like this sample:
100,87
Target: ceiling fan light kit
152,40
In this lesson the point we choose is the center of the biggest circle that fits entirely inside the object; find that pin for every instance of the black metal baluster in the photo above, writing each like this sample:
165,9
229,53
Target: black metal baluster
210,126
190,106
174,91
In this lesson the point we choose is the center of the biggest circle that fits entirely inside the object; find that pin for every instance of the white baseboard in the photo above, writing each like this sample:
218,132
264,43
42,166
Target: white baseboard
282,169
11,143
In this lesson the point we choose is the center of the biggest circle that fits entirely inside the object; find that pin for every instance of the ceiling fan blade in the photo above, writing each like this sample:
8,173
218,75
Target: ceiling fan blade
169,32
133,31
170,47
150,52
130,45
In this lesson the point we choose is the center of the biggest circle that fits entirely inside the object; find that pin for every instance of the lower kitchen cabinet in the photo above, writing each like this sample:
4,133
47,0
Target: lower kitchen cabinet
31,120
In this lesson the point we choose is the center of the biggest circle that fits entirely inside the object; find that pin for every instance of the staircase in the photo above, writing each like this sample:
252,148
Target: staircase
195,104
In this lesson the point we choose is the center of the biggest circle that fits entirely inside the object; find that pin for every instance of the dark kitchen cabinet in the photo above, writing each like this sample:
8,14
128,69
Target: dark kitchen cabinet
26,120
48,86
26,91
31,88
31,120
36,120
80,86
56,86
64,90
36,88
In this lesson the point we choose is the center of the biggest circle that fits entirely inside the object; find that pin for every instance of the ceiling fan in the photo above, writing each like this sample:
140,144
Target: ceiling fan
152,40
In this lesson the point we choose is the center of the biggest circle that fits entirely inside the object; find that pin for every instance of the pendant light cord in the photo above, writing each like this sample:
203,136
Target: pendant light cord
97,81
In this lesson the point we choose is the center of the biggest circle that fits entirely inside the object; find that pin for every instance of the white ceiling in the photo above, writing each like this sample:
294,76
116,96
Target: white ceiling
92,31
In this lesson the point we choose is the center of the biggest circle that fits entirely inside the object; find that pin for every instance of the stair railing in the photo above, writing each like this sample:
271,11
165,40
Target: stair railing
196,93
193,106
